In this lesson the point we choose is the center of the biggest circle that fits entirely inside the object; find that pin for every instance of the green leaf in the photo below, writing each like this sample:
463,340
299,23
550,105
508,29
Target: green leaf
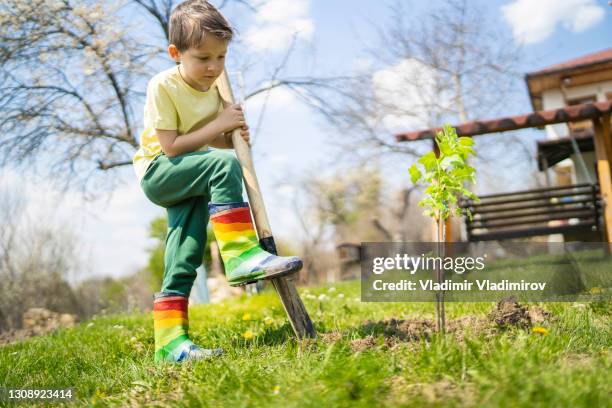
450,160
428,161
466,141
445,147
444,176
415,173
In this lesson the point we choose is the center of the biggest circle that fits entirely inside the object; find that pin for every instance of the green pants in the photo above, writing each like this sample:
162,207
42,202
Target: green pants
184,185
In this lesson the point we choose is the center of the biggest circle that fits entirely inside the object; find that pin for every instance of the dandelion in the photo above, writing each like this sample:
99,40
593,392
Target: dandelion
310,296
323,296
595,291
276,390
248,335
540,330
246,317
341,295
268,321
331,289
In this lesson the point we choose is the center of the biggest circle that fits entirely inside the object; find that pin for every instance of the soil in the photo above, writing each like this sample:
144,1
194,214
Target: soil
358,345
330,337
507,314
406,330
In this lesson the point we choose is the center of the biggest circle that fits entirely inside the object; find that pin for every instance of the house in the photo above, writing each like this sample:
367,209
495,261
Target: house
573,102
581,80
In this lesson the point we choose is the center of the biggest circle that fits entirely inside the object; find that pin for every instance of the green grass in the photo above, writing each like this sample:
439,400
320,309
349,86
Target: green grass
109,360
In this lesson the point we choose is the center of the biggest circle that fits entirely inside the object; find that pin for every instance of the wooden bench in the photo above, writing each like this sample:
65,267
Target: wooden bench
564,210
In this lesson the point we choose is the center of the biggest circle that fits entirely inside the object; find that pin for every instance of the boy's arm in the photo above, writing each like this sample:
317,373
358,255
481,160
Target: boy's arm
173,145
224,140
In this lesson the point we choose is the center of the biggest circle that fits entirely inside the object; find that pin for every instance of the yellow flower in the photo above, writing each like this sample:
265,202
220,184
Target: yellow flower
595,291
540,330
246,317
268,321
276,389
248,335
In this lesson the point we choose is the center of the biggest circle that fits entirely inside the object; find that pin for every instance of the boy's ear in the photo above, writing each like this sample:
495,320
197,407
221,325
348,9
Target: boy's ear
174,53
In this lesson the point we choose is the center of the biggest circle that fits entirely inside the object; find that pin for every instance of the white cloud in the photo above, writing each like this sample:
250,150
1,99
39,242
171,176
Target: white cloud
275,11
534,21
276,22
408,91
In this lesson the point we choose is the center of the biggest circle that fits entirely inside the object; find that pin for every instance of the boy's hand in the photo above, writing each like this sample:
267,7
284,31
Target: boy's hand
244,133
231,118
246,136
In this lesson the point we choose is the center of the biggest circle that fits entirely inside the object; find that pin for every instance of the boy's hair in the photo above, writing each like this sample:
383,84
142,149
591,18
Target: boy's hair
191,20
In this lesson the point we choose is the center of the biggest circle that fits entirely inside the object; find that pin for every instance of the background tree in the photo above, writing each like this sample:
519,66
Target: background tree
68,75
351,204
73,75
38,256
443,63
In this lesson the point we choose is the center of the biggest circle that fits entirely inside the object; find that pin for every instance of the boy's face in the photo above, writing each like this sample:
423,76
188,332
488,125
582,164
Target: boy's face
201,66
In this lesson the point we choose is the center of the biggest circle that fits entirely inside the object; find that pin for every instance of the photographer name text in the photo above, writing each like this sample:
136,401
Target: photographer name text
448,285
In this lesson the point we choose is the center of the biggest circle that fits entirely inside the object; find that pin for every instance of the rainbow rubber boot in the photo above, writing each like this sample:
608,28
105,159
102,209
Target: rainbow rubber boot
244,259
170,324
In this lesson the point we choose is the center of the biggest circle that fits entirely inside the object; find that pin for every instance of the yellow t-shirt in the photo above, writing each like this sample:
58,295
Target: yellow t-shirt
172,104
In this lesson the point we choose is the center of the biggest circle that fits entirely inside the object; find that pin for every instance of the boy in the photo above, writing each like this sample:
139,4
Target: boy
184,114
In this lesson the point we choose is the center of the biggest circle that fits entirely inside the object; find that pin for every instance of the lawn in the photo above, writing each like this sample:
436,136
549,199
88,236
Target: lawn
361,358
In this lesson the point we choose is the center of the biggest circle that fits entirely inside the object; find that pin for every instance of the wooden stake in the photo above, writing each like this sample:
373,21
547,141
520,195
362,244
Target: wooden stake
298,316
603,155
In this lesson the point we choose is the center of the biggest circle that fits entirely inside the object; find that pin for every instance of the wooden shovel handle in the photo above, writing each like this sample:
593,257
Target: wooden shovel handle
294,307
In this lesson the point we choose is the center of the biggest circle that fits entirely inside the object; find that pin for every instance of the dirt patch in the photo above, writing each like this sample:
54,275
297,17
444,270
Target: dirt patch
406,330
509,313
396,331
470,325
331,337
506,314
37,321
537,315
359,345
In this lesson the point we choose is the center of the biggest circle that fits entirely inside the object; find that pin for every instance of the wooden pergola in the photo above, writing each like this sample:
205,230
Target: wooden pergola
598,112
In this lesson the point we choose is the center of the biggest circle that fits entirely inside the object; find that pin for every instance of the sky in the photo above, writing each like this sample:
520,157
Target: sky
330,40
